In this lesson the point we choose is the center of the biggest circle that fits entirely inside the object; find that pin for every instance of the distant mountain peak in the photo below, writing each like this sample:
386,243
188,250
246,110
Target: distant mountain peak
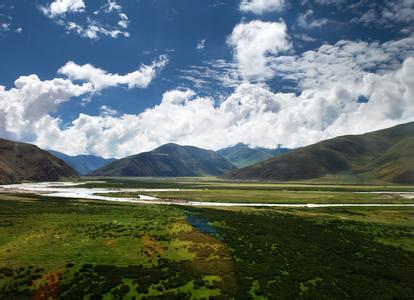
83,164
242,155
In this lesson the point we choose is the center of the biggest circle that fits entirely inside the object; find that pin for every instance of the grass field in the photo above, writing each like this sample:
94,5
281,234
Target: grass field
215,183
271,196
210,189
66,249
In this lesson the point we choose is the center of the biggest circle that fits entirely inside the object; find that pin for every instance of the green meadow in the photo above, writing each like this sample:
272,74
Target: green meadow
271,196
213,190
55,248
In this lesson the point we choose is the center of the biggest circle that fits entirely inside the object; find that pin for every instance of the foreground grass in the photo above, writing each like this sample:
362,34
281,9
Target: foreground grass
58,247
63,248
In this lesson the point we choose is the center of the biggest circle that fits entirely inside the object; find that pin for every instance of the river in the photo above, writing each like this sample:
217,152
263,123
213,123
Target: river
70,190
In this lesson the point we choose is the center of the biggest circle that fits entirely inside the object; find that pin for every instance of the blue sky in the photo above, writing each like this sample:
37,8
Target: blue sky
210,73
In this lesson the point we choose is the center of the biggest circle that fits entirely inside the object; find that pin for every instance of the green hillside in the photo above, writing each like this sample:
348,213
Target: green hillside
170,160
241,155
385,155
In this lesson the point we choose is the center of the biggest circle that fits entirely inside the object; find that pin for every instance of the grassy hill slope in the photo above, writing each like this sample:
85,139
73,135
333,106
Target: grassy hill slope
384,155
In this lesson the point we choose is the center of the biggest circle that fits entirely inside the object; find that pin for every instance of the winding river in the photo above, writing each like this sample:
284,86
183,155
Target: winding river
71,190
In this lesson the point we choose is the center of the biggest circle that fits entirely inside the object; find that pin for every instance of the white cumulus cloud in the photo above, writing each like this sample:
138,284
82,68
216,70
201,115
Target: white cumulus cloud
101,79
254,43
61,7
261,6
31,101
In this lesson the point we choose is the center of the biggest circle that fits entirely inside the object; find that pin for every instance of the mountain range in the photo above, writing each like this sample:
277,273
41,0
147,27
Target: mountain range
385,155
26,162
381,156
83,164
241,155
169,160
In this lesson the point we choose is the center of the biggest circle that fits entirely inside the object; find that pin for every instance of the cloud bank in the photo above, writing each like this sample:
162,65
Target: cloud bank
347,87
252,114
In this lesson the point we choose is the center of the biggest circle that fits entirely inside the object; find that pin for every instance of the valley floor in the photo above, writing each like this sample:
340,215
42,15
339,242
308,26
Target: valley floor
73,248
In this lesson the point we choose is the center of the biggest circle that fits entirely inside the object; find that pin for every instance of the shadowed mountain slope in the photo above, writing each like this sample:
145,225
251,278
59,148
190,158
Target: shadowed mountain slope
170,160
21,162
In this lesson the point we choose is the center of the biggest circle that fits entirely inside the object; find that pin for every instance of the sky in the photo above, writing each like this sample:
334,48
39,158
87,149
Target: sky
119,77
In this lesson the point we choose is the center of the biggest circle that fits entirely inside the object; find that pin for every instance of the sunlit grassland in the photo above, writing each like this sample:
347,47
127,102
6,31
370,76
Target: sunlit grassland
271,196
216,183
65,228
214,190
